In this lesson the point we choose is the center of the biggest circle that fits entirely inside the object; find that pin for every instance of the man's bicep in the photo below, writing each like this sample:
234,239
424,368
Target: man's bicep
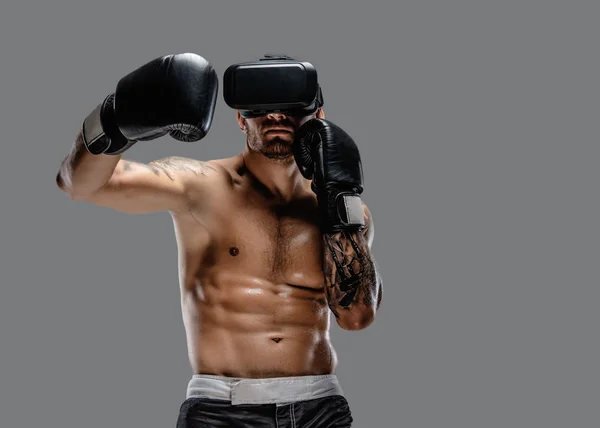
138,188
160,185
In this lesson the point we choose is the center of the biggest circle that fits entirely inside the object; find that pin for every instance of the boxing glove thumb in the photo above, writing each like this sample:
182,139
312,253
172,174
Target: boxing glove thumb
302,149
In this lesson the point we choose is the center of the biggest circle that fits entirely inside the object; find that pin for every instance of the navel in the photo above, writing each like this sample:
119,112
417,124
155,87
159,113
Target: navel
234,251
277,339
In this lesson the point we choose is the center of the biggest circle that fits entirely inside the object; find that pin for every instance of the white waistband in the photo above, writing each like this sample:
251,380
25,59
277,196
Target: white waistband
262,391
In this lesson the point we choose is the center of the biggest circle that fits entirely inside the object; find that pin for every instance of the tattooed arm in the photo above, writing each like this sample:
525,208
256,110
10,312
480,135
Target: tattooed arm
328,156
129,186
352,281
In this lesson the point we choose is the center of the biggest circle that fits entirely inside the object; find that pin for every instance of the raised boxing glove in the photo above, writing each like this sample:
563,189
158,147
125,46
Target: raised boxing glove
173,94
329,157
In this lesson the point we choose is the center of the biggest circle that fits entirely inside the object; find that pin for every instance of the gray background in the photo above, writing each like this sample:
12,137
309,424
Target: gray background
478,125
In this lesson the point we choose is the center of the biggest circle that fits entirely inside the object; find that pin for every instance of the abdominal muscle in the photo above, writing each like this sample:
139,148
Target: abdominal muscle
243,326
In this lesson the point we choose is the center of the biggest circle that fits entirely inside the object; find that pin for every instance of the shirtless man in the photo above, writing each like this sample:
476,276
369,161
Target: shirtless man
265,253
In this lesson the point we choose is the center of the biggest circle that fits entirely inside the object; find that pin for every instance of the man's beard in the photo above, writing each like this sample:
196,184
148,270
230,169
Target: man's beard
275,149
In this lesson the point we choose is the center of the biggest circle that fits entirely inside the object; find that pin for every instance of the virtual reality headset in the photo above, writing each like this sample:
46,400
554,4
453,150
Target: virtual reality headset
275,83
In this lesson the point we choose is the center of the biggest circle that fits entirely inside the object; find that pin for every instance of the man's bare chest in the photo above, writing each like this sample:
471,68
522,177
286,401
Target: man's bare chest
286,241
278,243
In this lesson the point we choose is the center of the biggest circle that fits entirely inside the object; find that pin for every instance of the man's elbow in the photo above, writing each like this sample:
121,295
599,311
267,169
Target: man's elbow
75,193
61,183
357,318
72,193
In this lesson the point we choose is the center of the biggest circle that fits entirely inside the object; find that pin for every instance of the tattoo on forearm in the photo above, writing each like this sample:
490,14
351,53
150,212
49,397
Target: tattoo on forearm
350,273
170,165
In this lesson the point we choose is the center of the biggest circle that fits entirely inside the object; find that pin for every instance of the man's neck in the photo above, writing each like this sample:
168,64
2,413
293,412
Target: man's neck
281,179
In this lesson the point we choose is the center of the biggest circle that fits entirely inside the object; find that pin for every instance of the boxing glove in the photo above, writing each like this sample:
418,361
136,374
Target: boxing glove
173,94
329,157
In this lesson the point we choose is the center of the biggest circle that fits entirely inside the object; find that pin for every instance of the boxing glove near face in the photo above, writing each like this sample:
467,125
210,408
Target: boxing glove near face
329,157
174,94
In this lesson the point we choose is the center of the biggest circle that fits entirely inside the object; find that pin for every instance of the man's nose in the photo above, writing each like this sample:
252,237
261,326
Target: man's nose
276,116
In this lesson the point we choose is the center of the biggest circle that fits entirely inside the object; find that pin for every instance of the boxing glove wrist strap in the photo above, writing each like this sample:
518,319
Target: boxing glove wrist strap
341,211
101,134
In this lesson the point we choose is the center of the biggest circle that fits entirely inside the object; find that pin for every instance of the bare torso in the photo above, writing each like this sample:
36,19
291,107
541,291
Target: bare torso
251,281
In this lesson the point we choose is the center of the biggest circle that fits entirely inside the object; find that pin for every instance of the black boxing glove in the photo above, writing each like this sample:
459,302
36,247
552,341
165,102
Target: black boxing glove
329,156
173,94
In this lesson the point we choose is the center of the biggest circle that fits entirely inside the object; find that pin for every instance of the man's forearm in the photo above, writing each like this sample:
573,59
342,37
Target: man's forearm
352,280
81,173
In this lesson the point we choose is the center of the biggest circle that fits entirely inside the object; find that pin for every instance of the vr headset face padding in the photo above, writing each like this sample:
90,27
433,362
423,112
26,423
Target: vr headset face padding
275,83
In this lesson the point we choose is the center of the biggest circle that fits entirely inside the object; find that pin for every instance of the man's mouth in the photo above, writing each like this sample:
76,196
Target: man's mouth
278,130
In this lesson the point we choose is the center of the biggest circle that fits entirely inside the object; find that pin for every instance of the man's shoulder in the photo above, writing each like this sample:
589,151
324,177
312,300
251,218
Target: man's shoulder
231,166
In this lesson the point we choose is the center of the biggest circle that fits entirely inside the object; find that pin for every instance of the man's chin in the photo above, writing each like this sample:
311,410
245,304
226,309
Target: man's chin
278,151
274,148
278,155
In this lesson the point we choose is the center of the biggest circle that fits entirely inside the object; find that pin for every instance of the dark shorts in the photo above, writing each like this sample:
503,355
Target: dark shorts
291,402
